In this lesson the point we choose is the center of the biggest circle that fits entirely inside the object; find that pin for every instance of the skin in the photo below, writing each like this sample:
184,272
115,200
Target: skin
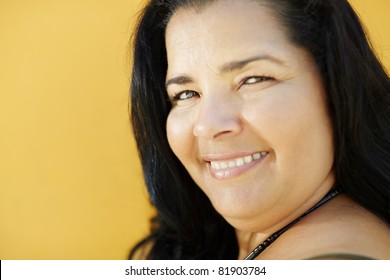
238,88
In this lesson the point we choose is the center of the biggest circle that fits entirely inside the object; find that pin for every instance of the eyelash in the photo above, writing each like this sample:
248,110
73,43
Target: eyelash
258,79
176,97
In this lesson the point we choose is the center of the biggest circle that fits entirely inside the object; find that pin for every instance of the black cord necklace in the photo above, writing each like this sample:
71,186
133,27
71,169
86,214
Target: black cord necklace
259,249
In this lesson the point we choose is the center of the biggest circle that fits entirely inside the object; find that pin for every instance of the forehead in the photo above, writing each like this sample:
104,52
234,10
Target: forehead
224,31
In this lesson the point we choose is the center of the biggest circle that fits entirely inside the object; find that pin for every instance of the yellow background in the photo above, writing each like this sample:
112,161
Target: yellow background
70,181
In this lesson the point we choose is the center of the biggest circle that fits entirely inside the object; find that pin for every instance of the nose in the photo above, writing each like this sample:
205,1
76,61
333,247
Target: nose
219,116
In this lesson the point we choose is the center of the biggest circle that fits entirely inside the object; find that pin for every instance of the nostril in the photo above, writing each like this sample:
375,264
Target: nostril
217,125
218,115
222,133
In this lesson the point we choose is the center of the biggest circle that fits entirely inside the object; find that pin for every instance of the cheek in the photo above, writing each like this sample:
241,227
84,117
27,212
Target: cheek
179,133
275,117
296,126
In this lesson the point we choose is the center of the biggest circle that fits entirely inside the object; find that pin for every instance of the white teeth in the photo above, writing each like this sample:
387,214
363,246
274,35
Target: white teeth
240,162
215,165
248,159
237,162
257,156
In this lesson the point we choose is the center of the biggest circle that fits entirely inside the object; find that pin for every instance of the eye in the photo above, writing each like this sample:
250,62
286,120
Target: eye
184,95
255,80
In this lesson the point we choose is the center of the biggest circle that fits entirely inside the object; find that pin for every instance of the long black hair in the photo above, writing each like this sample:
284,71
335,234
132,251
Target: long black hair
358,88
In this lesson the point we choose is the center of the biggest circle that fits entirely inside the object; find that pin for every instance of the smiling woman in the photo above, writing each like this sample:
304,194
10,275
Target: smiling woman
230,133
246,126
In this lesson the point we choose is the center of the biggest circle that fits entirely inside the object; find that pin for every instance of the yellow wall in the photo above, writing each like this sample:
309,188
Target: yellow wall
70,181
375,15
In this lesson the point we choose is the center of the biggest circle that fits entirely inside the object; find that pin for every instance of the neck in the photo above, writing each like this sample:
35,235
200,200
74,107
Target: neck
247,241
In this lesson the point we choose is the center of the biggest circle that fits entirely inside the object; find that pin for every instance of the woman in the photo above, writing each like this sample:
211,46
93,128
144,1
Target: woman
263,131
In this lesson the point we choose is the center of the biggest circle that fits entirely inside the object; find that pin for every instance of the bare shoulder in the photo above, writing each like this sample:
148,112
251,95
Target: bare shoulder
341,229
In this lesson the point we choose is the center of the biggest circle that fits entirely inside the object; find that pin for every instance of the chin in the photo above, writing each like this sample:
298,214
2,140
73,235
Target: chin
241,217
245,224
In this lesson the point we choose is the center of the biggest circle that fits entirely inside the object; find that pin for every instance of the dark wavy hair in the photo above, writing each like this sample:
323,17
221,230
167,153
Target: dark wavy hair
358,88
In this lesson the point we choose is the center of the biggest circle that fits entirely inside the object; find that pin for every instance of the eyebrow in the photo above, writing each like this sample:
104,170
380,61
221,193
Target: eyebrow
180,80
226,68
237,65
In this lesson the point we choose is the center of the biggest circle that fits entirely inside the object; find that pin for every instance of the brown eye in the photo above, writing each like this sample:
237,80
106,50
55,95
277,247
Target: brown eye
255,80
185,95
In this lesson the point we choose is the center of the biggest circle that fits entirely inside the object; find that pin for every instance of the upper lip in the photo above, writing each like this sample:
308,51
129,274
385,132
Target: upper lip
227,156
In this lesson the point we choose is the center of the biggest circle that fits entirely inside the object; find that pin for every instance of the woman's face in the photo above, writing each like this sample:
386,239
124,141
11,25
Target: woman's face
249,119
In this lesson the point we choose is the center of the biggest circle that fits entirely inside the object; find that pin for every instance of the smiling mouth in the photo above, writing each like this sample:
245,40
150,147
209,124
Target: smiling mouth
237,162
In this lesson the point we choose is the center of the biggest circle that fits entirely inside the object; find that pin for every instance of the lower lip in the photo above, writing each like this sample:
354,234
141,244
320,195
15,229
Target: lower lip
236,171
